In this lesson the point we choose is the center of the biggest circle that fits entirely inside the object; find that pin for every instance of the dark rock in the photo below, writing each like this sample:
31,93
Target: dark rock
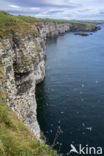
8,70
22,88
81,33
4,56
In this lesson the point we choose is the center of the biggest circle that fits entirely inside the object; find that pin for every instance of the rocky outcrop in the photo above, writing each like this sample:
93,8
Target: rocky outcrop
82,34
79,27
23,59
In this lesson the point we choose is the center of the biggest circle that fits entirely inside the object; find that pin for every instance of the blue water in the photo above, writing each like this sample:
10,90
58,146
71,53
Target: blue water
72,94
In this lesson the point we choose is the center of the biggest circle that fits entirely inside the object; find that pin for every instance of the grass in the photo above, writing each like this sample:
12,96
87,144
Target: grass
29,19
24,24
71,21
15,138
21,24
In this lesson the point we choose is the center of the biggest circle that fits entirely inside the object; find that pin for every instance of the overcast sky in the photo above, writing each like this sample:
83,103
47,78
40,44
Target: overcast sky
61,9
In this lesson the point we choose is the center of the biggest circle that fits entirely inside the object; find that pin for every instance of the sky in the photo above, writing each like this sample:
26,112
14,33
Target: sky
57,9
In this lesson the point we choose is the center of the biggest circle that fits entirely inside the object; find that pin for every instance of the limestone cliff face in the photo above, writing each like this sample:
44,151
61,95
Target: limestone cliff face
23,65
23,59
53,29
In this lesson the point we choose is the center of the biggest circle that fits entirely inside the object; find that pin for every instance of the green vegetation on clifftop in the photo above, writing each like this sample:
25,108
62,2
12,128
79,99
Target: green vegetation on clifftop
24,24
21,24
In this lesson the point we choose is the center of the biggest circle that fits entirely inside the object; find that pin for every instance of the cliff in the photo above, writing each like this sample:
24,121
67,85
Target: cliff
23,58
22,53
